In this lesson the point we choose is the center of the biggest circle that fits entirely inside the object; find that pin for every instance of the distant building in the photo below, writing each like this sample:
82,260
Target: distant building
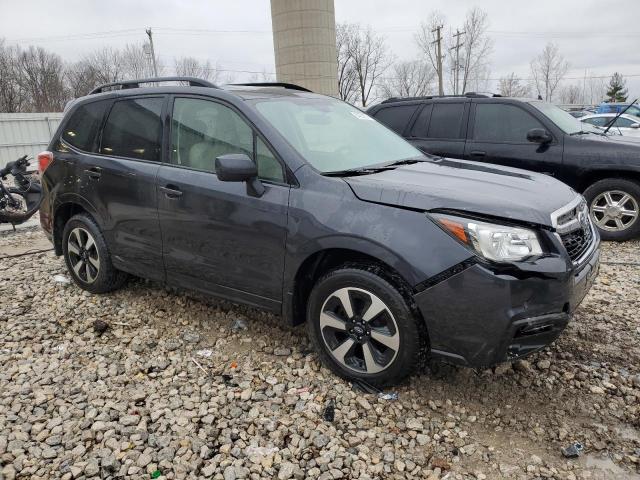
304,40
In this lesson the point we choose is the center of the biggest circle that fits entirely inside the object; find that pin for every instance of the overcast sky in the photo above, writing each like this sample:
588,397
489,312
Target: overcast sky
601,37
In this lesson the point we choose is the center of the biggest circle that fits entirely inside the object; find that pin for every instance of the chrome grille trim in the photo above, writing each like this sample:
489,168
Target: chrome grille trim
574,218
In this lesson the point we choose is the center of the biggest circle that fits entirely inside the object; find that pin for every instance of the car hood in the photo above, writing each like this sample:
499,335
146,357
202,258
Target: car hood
466,186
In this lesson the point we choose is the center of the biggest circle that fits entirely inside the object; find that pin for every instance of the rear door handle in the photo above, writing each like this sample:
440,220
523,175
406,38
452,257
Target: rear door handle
93,172
171,191
477,153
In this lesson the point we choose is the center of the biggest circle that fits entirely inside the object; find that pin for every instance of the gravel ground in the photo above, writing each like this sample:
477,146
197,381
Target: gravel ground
185,387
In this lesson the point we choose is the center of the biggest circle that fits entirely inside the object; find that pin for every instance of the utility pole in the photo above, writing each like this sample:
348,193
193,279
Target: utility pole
456,67
439,59
153,53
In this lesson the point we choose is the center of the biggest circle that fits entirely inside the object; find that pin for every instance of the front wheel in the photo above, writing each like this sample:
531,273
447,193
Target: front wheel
614,205
363,327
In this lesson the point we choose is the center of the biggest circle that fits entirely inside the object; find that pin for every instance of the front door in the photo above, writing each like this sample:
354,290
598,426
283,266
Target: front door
499,135
217,237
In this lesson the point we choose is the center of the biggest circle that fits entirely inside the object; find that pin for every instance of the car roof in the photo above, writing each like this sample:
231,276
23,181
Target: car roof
611,115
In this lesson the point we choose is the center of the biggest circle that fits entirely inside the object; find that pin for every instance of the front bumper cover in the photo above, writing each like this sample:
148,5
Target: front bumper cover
482,315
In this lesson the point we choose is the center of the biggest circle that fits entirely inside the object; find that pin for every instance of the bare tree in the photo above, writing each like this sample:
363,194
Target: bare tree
192,67
12,95
477,48
595,90
548,69
347,76
409,79
426,40
370,58
261,77
41,76
570,95
81,78
512,86
136,63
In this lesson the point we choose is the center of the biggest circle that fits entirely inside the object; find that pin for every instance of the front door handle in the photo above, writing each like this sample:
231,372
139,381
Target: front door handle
93,172
477,153
171,191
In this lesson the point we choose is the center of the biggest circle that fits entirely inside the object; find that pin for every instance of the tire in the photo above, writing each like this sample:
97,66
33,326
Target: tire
16,214
333,331
614,205
87,256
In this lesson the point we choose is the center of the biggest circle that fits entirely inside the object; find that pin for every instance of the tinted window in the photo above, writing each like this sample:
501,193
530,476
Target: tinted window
82,128
203,130
134,129
446,121
421,124
396,118
502,123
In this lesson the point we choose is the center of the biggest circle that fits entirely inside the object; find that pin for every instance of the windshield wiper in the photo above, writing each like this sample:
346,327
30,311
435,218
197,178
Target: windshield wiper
586,132
610,124
373,168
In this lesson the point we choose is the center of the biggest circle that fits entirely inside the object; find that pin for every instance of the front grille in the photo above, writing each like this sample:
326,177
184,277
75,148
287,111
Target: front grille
577,242
574,228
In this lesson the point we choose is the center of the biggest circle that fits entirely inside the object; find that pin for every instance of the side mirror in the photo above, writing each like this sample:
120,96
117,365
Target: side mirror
539,135
635,125
238,167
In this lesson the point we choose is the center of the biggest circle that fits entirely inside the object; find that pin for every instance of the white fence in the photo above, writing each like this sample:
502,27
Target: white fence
25,134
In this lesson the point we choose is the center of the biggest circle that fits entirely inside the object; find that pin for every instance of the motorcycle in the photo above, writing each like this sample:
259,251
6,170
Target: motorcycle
18,203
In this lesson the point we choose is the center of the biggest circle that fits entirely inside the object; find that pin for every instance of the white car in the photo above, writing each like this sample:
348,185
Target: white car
624,125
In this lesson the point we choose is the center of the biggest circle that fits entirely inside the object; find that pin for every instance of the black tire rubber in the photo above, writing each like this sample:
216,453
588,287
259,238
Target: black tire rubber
629,186
413,335
109,278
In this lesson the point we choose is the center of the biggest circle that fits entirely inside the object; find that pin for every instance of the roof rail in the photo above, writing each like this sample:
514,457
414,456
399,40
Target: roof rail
125,84
290,86
430,97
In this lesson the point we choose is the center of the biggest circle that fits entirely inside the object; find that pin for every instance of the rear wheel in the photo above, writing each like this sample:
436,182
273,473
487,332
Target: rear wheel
363,327
614,205
87,256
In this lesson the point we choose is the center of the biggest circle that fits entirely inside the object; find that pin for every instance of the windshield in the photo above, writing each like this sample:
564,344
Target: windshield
562,119
332,135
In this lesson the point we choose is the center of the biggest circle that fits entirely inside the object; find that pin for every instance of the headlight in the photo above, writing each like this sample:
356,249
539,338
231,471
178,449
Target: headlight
500,243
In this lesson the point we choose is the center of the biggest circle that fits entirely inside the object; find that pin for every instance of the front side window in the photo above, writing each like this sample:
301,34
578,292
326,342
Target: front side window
623,122
332,135
134,129
559,117
82,128
203,130
502,123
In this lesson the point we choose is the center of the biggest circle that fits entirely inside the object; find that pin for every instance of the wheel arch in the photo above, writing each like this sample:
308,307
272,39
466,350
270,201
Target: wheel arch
63,212
321,261
593,176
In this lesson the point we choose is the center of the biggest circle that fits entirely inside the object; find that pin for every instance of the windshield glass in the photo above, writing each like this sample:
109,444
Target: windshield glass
332,135
562,119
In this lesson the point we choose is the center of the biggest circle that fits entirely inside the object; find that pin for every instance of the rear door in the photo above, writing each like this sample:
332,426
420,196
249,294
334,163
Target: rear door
120,182
498,134
440,128
218,237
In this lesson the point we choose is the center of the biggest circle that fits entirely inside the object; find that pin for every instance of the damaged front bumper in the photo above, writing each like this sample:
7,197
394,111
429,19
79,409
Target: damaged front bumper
485,315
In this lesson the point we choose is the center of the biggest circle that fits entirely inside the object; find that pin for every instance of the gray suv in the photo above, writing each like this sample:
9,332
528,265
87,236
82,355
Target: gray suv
297,203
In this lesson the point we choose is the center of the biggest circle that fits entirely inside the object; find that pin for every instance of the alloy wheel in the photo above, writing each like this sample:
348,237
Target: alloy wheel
614,210
359,330
83,255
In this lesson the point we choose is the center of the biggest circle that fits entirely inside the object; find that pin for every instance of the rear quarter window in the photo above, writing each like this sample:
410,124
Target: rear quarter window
81,130
396,118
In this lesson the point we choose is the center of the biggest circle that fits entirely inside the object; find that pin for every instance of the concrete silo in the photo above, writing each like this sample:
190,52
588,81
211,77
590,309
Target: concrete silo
304,40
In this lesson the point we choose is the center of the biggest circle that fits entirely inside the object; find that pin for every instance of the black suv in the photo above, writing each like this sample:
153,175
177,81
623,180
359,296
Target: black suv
303,205
533,135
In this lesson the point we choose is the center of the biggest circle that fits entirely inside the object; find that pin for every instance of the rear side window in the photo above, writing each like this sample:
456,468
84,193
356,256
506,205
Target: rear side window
82,128
446,121
133,129
502,123
597,121
396,118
